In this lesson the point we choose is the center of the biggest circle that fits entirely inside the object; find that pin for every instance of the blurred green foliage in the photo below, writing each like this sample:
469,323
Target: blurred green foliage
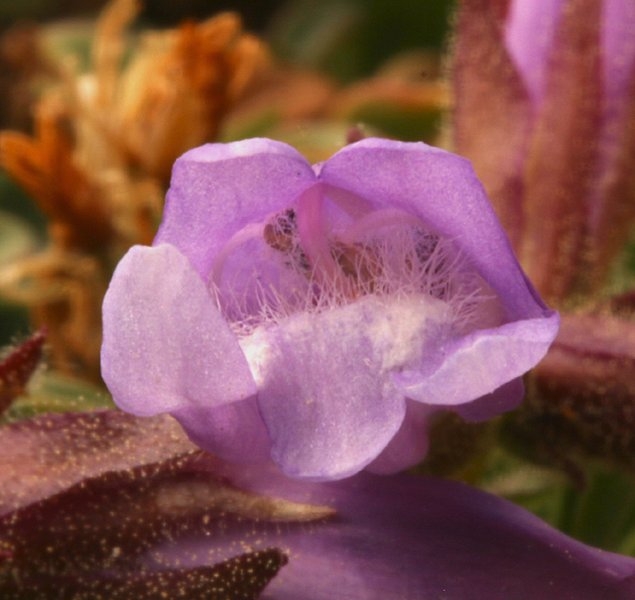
351,38
409,124
600,513
22,230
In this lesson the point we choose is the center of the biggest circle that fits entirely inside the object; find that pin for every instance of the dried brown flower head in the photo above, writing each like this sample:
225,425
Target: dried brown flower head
100,158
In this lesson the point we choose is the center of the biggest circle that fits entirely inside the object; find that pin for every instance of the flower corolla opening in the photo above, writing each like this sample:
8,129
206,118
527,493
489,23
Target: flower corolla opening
317,316
304,261
321,265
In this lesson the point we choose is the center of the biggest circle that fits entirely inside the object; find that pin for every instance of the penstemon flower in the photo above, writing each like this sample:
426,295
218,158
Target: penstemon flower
320,315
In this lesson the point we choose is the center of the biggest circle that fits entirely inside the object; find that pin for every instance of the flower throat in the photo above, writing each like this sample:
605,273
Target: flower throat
323,263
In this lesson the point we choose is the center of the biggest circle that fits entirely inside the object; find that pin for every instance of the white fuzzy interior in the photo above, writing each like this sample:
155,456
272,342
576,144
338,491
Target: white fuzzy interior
411,270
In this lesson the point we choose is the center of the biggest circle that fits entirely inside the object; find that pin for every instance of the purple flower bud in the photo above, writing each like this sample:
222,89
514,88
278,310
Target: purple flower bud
319,315
545,107
531,32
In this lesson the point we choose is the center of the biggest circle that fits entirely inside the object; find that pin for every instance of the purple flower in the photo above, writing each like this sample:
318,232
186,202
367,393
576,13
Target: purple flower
319,315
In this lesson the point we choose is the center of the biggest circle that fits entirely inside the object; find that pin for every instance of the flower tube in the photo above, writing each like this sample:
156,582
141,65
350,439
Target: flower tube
319,315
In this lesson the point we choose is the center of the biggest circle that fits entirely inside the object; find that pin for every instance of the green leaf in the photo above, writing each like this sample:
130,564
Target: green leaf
540,490
603,513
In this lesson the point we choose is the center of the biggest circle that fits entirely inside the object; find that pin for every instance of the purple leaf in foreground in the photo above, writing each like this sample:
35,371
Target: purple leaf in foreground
240,578
49,453
84,535
364,538
411,538
106,521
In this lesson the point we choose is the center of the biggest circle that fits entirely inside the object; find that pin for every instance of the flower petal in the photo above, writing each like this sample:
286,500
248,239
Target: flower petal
219,188
332,379
410,443
166,346
507,397
479,363
327,406
234,431
618,42
529,35
442,190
